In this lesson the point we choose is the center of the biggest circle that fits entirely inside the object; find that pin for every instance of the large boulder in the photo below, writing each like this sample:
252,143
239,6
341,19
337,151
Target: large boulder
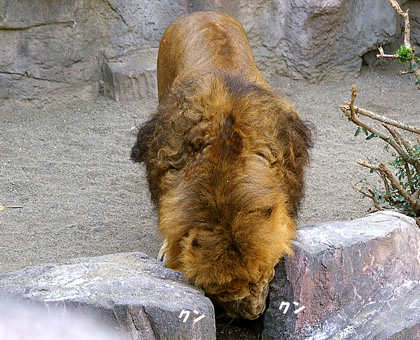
130,292
349,280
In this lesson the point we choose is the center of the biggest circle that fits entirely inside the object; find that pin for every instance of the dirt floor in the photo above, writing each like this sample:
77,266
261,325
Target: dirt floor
69,189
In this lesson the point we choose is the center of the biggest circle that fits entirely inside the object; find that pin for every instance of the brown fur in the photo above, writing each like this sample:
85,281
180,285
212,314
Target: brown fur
224,155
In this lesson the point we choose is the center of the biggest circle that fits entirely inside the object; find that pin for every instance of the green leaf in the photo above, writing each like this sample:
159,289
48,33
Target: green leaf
383,137
370,137
366,131
404,54
357,132
414,67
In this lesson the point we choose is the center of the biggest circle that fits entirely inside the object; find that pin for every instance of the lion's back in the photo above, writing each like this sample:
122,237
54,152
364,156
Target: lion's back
204,42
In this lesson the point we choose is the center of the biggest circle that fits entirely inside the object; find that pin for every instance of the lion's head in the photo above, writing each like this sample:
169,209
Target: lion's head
227,220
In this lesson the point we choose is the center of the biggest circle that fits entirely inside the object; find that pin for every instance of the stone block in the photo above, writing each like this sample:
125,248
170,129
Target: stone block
130,292
131,77
356,280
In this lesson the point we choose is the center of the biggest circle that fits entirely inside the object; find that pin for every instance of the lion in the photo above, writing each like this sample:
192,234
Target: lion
225,157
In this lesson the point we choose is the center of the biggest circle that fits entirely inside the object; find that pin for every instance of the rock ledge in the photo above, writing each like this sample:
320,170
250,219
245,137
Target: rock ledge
130,292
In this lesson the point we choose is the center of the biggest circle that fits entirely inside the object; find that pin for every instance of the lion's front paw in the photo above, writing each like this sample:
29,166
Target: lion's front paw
162,252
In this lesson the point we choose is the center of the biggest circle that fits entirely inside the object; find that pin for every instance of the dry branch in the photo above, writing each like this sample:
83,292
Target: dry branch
370,194
387,56
367,165
386,120
404,149
396,185
350,111
407,31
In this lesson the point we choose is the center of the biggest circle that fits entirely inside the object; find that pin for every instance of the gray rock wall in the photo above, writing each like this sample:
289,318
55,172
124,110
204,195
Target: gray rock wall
54,51
312,39
415,23
66,50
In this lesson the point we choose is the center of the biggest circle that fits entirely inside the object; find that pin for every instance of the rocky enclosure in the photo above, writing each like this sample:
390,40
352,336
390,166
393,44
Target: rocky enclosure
69,50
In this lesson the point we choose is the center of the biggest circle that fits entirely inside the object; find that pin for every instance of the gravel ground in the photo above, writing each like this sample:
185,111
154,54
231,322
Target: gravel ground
69,189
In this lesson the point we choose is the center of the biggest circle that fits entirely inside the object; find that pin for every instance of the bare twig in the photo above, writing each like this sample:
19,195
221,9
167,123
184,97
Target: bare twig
396,185
380,173
406,143
376,132
386,120
387,56
350,111
370,195
375,116
393,133
406,72
409,178
367,165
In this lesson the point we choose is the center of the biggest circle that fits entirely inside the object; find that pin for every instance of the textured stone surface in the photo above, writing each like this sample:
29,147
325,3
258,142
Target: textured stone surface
357,280
131,78
415,23
130,292
53,52
314,39
56,51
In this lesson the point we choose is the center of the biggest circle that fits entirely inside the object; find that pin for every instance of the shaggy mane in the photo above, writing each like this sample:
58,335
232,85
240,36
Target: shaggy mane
186,123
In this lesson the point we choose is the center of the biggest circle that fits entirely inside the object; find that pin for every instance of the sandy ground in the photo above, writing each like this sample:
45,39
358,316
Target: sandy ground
69,188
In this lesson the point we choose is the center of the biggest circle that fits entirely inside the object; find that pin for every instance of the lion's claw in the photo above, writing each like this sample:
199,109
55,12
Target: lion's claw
162,252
